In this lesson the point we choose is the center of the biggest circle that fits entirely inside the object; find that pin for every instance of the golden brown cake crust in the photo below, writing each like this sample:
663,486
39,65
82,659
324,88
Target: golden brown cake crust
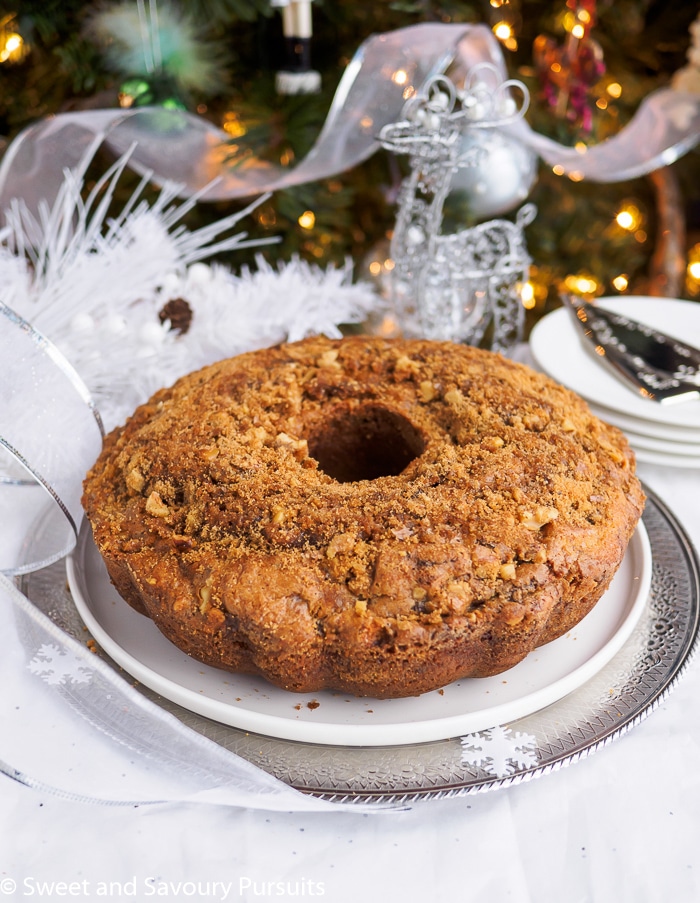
380,517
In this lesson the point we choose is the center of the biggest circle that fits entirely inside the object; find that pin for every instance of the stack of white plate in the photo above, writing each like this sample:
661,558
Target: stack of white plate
667,434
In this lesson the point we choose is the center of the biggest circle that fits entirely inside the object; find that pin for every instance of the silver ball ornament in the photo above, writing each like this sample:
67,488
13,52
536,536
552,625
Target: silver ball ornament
499,176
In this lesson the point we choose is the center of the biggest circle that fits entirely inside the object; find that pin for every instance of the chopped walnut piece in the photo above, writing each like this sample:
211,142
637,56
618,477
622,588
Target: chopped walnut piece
342,543
329,358
427,391
406,364
513,613
536,518
453,396
205,595
156,506
278,515
299,448
507,571
135,480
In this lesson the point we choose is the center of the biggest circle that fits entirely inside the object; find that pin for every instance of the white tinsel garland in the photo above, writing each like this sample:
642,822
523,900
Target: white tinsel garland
98,289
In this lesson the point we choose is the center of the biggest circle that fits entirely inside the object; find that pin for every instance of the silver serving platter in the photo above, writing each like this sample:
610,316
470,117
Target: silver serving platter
619,697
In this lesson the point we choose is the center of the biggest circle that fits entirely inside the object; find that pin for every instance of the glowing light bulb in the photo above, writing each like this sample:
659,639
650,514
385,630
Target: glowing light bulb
14,49
629,218
527,294
233,126
581,284
307,220
625,219
287,157
503,31
621,282
614,89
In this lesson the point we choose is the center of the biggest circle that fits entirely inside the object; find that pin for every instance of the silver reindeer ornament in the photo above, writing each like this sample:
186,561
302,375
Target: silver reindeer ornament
455,285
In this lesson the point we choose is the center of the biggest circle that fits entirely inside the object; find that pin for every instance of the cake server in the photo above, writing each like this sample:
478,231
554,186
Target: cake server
658,366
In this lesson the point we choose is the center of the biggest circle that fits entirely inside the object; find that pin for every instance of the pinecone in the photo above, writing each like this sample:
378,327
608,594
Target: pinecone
179,313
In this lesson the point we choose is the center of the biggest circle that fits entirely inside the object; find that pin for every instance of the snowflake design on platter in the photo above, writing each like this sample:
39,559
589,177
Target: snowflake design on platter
59,666
499,751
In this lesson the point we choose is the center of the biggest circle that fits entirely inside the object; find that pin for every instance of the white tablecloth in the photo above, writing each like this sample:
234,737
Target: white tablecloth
621,825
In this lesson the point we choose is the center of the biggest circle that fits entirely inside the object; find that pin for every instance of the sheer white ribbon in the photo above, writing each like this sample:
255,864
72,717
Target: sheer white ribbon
387,68
49,425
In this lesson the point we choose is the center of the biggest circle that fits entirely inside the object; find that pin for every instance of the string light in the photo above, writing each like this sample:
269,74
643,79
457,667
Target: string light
625,220
13,47
287,157
629,218
527,294
692,280
307,220
233,126
582,284
621,282
504,32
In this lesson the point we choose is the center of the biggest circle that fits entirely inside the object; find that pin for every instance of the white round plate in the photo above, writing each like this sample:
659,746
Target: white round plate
646,456
251,704
558,349
664,432
671,449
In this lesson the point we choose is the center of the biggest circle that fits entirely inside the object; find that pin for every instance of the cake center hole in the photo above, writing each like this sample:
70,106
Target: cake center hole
364,444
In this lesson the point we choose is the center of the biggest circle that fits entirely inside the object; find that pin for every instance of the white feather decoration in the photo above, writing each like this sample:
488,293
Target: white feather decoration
98,288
